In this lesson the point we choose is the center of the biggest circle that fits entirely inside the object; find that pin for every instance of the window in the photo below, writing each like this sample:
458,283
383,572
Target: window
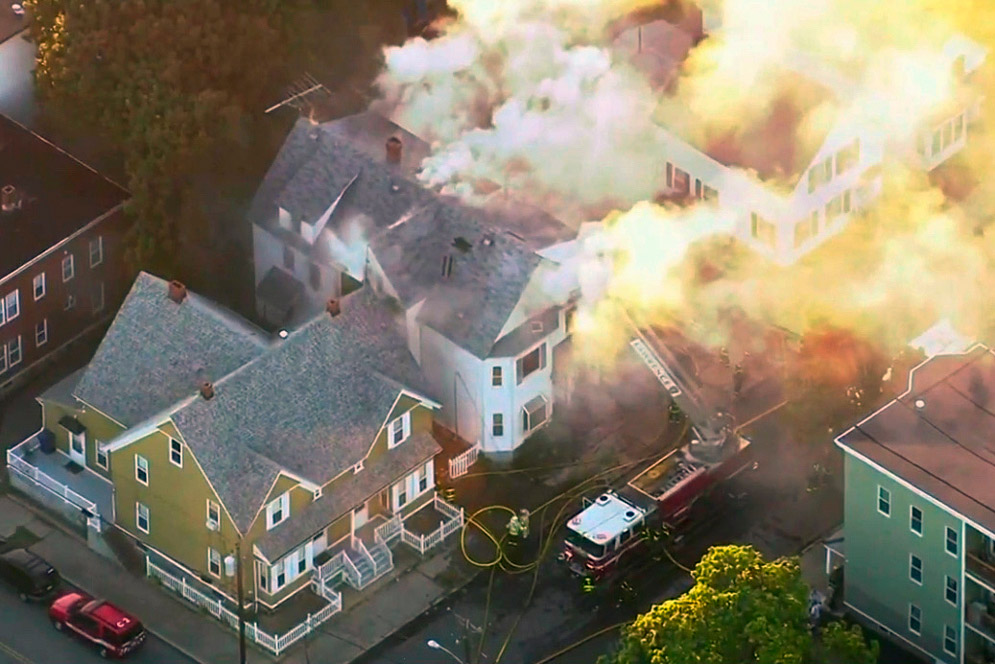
884,501
950,640
142,469
950,592
399,430
682,182
710,194
98,298
142,517
277,511
951,541
102,459
70,302
358,468
280,577
301,563
38,285
846,202
497,424
813,179
68,268
3,358
96,251
827,169
531,362
314,276
14,352
213,562
10,306
288,258
699,189
41,333
401,491
915,520
497,378
915,619
213,512
958,128
763,230
423,480
176,452
264,577
915,568
534,413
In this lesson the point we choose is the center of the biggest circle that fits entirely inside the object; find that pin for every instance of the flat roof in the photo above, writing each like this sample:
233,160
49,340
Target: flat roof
60,195
940,435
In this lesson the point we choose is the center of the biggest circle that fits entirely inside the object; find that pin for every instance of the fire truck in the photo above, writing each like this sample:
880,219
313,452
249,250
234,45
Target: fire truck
661,495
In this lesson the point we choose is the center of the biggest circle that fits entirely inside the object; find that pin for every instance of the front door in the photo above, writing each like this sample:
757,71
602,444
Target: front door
77,447
360,516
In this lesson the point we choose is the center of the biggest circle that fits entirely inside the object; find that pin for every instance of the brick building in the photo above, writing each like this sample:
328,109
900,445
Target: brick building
62,228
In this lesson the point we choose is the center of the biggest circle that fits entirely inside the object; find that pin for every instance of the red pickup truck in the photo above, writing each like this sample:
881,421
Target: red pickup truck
101,623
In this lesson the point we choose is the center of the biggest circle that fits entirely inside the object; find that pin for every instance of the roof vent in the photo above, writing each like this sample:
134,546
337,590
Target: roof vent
282,334
630,515
177,291
537,327
9,200
488,240
394,150
207,390
603,499
333,307
920,404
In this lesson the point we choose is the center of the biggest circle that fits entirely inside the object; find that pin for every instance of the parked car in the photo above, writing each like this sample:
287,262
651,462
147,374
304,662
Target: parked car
114,632
29,576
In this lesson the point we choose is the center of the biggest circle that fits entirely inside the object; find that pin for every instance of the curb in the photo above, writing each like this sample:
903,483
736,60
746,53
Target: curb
67,531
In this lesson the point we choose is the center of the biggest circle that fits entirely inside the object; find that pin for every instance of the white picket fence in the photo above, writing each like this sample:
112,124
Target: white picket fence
275,644
460,465
453,522
14,462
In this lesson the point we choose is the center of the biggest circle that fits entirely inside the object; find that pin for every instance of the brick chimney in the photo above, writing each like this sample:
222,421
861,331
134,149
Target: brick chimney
394,150
207,390
333,308
8,198
177,291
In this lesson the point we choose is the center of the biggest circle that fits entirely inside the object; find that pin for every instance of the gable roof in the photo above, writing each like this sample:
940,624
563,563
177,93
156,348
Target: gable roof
937,436
313,405
60,195
157,352
490,270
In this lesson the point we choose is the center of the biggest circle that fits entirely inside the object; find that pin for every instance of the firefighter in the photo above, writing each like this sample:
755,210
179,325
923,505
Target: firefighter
518,528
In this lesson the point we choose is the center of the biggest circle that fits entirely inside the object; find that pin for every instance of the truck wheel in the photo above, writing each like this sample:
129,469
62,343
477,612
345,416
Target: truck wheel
57,625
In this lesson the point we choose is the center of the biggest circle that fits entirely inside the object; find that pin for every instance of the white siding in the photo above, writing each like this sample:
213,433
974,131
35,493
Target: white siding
454,375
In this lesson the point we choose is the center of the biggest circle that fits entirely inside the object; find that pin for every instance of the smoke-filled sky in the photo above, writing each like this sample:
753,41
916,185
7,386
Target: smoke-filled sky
527,94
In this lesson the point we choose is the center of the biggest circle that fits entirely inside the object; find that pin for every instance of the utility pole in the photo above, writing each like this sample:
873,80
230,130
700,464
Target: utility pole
241,602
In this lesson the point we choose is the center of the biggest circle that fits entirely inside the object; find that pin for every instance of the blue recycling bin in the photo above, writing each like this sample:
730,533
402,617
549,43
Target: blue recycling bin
46,441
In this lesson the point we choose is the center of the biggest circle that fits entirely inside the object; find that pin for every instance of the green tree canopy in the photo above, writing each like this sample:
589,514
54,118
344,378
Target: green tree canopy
742,609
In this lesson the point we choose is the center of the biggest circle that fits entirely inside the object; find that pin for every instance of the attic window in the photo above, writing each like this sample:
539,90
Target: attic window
462,244
357,468
537,327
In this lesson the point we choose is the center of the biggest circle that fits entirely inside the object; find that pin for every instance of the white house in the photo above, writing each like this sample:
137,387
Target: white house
789,198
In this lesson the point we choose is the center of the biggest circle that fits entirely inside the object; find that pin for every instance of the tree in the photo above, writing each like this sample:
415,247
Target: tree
742,609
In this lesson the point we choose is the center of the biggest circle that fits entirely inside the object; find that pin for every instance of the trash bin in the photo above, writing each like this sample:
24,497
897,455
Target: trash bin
46,441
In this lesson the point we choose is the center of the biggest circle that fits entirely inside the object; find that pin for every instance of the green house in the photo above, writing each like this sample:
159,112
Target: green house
919,529
306,451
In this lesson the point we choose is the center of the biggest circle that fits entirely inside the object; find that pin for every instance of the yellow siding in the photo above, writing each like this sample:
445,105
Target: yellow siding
421,421
99,428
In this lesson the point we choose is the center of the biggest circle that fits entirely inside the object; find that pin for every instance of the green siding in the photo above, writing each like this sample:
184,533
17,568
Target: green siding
99,428
877,558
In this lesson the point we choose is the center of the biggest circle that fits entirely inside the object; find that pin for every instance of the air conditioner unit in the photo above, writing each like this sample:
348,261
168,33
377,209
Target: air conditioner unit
212,524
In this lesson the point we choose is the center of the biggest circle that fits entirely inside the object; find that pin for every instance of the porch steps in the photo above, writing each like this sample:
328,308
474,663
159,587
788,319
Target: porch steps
383,561
364,565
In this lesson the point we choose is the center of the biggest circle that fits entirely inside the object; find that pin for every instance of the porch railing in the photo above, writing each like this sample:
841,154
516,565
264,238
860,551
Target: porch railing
454,521
389,531
276,644
460,464
46,482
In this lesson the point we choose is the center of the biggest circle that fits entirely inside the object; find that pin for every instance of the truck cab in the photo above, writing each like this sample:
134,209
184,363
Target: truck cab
602,533
114,632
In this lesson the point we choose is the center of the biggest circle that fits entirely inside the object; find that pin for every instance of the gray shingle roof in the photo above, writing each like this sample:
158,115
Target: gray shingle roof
312,405
62,391
472,304
157,352
375,477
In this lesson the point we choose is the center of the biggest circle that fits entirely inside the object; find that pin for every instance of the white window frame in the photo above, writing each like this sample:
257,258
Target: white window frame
214,512
38,280
3,358
497,422
528,424
213,558
951,585
99,453
69,261
543,362
915,569
950,636
913,609
497,376
138,518
912,519
99,244
14,343
172,449
948,531
98,299
278,569
141,466
358,468
43,339
279,505
11,300
399,425
886,494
